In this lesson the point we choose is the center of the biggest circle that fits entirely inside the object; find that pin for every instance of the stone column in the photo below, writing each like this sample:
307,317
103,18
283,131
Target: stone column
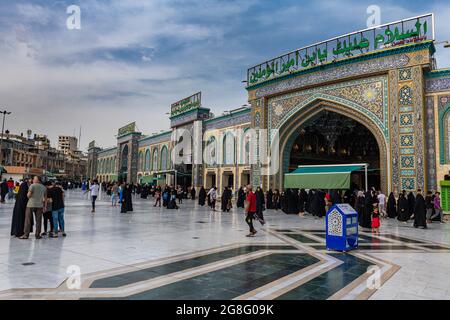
407,125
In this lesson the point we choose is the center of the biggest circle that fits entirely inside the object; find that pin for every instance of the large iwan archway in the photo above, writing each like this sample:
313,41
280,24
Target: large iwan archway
339,123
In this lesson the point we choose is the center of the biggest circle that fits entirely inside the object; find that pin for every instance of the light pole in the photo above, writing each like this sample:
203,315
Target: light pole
4,112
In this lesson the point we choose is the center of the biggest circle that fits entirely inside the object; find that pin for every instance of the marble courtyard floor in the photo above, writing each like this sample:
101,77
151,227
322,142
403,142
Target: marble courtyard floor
193,253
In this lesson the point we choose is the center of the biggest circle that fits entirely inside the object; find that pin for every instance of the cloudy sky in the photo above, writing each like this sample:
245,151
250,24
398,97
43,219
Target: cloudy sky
132,59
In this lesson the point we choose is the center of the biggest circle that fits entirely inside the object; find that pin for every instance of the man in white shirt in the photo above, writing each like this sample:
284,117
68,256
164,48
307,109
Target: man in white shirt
382,203
212,197
95,190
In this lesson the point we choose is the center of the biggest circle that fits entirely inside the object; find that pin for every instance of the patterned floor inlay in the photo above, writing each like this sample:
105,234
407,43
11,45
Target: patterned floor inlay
301,238
327,284
402,239
367,241
165,269
361,237
299,267
233,281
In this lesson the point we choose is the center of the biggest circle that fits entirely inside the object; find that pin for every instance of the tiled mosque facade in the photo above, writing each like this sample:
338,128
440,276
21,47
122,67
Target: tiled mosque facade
397,93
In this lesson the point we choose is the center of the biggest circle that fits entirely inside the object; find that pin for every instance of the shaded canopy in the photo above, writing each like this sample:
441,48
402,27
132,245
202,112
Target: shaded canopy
321,176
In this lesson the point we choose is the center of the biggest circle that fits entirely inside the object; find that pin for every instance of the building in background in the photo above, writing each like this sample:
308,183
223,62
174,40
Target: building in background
67,144
26,156
149,158
377,99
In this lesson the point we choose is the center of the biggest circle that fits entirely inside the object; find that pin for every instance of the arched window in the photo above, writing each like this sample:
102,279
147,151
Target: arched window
444,129
164,154
113,169
155,160
141,162
210,155
247,136
228,149
125,158
147,160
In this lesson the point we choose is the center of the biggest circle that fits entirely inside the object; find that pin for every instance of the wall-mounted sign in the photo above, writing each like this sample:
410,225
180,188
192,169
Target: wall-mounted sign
129,128
187,104
400,33
91,144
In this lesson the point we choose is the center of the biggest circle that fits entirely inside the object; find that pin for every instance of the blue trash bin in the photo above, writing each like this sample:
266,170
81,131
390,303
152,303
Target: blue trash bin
341,228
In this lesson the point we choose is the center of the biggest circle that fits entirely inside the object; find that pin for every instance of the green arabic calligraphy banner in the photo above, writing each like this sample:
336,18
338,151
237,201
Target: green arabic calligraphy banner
396,34
129,128
186,104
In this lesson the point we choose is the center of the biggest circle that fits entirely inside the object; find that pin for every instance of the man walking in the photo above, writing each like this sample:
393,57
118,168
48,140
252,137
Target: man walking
157,197
429,204
57,195
437,208
213,196
37,196
250,210
95,190
114,194
3,190
10,184
382,203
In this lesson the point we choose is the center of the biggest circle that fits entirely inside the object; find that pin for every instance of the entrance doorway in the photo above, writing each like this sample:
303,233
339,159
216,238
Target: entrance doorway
228,180
123,172
333,138
210,180
245,179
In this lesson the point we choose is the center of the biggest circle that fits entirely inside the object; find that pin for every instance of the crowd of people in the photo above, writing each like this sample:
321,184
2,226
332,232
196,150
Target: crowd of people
371,205
38,202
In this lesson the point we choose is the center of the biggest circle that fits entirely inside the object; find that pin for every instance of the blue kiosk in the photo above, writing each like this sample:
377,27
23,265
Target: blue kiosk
342,228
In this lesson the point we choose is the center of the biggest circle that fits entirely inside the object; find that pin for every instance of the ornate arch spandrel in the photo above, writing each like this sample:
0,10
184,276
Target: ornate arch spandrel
305,113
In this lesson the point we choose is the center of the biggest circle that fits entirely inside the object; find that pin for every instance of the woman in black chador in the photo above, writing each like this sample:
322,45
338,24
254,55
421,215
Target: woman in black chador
291,202
308,203
276,200
302,198
193,193
269,197
403,208
347,196
201,196
391,206
284,200
144,191
318,204
260,205
336,197
359,206
226,200
366,217
420,211
18,218
128,198
411,204
241,198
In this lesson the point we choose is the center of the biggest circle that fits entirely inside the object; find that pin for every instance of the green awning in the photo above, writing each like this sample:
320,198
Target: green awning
147,179
321,177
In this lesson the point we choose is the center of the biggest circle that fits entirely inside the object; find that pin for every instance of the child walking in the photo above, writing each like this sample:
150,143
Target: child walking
375,219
